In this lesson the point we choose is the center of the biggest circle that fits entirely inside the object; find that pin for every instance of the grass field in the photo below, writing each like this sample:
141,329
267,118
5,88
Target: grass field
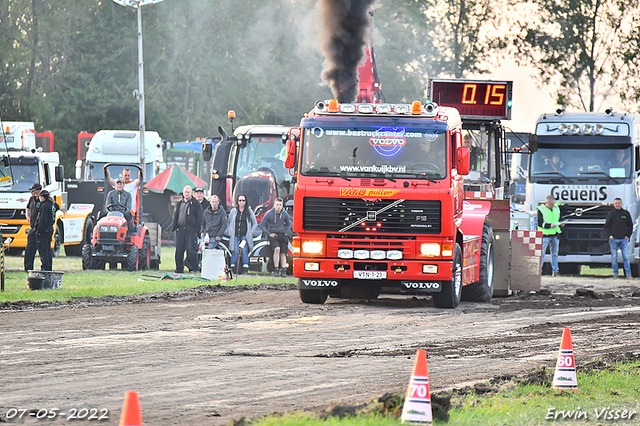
608,396
79,283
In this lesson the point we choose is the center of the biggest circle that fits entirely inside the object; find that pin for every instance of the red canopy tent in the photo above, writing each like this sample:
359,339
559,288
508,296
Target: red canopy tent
175,178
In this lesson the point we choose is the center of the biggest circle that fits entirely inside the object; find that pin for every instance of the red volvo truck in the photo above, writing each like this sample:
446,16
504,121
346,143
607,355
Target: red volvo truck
379,206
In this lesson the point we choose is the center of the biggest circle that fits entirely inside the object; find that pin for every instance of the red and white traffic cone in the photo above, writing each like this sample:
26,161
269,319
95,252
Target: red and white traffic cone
565,375
417,403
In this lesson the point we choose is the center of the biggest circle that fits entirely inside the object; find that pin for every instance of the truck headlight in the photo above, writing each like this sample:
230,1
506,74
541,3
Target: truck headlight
312,247
430,249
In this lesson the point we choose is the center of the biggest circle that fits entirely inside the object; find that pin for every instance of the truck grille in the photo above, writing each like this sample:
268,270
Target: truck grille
12,214
583,239
596,214
9,229
583,234
408,217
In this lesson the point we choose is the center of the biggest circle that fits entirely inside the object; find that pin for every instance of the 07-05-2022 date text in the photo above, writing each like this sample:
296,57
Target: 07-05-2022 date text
70,414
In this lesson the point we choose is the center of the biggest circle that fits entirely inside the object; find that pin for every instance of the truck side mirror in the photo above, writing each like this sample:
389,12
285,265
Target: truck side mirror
207,150
290,159
5,172
59,173
464,161
533,143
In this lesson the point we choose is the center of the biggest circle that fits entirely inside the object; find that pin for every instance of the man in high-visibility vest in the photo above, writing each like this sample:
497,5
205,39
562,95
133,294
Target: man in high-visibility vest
550,225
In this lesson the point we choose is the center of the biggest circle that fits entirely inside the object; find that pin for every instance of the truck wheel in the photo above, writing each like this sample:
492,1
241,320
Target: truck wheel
144,254
482,291
317,297
132,259
57,242
13,251
87,261
449,296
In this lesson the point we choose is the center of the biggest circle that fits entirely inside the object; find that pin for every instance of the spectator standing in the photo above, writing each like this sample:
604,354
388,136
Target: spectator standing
550,225
187,223
476,154
32,214
619,228
275,223
44,229
215,222
204,203
242,222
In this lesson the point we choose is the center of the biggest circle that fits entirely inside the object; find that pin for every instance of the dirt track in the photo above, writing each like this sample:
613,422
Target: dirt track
210,355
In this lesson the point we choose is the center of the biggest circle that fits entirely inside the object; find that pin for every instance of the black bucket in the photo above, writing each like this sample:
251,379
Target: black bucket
35,283
51,279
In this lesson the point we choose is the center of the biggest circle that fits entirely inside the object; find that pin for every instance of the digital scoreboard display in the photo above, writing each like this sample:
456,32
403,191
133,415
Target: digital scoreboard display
479,99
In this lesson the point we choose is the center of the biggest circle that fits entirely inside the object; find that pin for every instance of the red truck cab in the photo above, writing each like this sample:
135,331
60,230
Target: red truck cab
379,202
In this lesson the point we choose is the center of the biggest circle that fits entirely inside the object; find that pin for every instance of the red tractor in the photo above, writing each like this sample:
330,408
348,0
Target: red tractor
116,241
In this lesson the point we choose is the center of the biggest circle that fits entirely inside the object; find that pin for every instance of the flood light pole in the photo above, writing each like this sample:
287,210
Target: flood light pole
139,93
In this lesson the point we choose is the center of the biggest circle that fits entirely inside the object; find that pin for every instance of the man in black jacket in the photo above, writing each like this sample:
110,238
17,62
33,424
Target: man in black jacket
32,214
187,222
44,229
619,228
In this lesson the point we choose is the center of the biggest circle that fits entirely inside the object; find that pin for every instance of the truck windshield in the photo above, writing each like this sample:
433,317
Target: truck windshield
24,175
602,163
262,152
365,152
95,172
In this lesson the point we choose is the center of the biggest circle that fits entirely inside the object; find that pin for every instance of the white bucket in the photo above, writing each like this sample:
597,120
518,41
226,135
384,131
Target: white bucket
213,264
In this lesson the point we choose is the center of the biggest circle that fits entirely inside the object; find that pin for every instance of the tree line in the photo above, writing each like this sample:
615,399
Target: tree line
71,65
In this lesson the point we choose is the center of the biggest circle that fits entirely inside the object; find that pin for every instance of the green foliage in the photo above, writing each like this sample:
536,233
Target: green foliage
578,41
71,65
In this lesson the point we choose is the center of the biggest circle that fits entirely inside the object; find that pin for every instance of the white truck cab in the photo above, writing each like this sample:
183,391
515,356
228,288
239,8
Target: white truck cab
28,166
120,146
586,160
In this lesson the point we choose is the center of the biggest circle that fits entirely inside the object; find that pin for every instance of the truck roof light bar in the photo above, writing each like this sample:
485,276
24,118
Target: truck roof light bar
574,129
333,105
563,129
365,108
383,108
347,108
401,109
416,108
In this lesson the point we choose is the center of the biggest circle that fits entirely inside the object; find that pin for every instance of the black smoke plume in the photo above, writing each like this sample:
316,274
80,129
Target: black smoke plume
345,30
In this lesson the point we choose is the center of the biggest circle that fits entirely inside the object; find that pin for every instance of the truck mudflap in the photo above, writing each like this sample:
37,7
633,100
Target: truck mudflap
526,251
388,286
522,250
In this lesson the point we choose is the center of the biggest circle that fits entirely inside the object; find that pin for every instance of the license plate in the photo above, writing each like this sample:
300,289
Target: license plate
370,275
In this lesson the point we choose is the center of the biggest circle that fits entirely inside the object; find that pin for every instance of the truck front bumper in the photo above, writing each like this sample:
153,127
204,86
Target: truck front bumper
406,276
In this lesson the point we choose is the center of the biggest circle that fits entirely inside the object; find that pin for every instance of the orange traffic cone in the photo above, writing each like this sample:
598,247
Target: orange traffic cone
565,374
417,403
131,415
